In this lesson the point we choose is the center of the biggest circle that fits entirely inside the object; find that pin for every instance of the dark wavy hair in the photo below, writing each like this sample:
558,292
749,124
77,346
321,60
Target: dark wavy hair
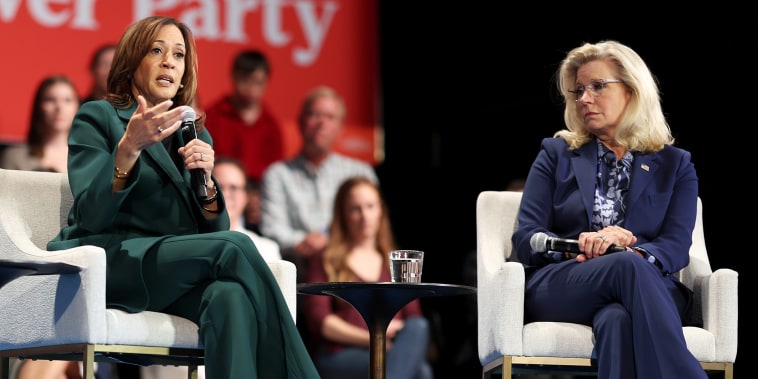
132,48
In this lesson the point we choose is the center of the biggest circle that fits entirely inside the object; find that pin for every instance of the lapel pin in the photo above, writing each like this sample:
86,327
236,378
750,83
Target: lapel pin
645,167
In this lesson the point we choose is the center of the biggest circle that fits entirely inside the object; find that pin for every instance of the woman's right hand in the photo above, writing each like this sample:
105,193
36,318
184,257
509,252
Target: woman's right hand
392,330
150,125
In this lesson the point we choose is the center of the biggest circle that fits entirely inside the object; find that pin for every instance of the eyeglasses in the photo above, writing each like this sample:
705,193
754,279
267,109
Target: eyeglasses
232,188
595,88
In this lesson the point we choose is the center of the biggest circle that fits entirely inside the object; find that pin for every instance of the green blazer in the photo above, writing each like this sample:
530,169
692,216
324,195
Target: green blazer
157,203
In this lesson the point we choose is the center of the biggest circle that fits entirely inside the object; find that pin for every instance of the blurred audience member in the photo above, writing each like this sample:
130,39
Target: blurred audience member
46,148
230,176
99,66
358,251
298,194
241,123
253,208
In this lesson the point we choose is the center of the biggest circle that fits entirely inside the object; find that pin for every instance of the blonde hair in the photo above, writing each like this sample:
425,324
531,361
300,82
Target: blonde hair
335,254
643,126
318,92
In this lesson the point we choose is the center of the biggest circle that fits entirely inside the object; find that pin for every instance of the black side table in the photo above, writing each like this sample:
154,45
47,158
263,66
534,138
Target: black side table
378,303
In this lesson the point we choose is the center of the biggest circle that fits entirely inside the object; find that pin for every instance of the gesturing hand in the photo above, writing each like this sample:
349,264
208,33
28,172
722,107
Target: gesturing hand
150,125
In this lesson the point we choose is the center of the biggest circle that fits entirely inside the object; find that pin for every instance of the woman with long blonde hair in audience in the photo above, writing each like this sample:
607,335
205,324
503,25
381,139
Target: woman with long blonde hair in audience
46,149
360,239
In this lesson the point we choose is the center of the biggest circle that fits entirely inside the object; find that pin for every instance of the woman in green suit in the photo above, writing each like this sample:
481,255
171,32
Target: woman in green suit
168,249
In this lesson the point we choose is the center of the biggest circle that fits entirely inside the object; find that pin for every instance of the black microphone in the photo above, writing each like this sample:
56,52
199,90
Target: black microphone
541,242
188,134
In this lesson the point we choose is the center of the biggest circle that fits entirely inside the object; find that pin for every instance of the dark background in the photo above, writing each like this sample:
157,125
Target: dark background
469,91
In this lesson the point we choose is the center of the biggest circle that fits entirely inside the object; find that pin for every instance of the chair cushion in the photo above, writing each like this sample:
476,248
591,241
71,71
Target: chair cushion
558,339
151,329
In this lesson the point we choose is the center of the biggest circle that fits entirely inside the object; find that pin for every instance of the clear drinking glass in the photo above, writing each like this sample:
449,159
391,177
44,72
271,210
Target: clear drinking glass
406,266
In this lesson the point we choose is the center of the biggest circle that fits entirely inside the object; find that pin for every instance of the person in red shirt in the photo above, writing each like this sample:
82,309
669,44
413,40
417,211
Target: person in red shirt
241,124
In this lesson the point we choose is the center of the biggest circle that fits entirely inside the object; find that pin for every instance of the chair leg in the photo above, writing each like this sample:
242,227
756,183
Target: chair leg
88,360
504,363
729,371
507,367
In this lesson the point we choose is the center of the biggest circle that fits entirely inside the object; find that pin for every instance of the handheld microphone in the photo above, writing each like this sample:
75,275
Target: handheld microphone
541,242
189,133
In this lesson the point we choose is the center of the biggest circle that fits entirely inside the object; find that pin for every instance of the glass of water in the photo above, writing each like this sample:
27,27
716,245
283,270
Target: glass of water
406,265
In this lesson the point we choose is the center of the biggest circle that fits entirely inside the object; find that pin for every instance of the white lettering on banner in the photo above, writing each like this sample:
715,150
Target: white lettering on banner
315,32
40,11
203,18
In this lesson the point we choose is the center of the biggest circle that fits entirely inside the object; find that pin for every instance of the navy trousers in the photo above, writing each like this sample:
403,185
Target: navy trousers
635,313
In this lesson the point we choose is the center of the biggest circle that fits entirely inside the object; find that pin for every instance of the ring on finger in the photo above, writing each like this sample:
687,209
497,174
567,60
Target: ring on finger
202,158
160,130
601,237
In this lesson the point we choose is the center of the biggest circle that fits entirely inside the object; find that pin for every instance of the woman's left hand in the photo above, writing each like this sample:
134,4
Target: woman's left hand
198,154
595,244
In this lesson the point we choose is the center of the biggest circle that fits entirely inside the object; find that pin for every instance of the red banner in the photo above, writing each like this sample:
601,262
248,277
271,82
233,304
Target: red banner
309,43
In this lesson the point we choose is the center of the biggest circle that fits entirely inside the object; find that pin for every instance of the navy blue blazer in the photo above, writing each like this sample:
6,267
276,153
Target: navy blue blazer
661,205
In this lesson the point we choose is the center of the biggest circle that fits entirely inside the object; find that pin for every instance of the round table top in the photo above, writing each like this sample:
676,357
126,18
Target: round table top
421,289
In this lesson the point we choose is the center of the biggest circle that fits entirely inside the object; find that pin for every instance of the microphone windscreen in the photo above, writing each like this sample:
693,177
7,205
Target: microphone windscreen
189,114
538,242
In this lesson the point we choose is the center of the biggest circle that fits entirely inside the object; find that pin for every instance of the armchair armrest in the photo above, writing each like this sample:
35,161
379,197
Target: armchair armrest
500,284
286,276
718,294
500,303
78,298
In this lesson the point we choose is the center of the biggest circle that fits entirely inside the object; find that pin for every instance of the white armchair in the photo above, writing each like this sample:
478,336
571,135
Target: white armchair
64,316
507,346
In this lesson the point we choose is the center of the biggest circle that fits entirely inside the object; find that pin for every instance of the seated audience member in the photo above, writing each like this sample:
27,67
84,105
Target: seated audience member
99,66
297,194
358,250
253,208
46,148
242,125
230,176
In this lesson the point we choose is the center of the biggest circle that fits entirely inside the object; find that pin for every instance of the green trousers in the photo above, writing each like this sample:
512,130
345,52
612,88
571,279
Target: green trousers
221,282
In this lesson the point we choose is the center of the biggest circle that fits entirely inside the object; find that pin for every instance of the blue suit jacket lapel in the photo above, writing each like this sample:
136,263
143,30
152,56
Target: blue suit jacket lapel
584,165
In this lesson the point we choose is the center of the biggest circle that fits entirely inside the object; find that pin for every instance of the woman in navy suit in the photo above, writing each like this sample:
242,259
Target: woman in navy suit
613,177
